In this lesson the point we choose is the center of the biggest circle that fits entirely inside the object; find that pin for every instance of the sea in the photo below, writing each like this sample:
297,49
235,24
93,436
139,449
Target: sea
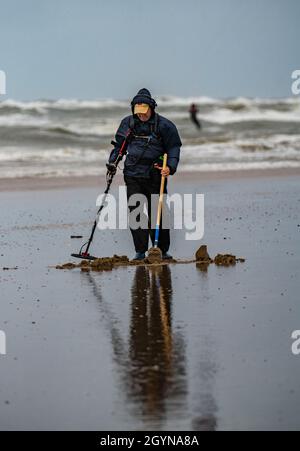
69,137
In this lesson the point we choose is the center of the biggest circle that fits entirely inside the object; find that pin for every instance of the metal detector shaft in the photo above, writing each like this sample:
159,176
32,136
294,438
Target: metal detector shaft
98,214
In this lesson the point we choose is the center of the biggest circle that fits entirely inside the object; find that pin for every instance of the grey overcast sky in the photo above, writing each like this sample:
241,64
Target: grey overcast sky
90,49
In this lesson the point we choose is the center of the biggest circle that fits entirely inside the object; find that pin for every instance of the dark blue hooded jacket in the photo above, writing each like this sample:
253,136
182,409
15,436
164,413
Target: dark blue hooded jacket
148,142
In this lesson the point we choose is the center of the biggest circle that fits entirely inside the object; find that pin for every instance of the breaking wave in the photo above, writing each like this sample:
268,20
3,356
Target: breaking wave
72,137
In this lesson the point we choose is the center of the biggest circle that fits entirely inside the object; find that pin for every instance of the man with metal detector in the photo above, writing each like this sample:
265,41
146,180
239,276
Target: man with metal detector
148,137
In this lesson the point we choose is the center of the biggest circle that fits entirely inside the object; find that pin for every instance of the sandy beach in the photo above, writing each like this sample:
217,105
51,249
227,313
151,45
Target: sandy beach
165,348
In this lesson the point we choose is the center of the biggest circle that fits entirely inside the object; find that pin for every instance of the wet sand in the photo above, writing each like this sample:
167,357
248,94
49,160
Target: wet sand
50,183
174,347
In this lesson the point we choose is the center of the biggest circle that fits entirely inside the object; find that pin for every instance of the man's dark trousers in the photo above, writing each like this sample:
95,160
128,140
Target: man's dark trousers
147,186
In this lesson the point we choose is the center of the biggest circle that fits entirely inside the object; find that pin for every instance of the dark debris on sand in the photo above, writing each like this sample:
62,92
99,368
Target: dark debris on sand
108,263
202,258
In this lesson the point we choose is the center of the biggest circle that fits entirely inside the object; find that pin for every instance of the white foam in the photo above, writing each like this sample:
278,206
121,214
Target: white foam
21,120
88,104
64,104
278,151
100,129
163,100
87,170
236,166
84,127
173,101
57,156
38,106
224,116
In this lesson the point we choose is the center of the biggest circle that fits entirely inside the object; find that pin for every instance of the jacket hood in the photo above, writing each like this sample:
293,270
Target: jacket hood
143,96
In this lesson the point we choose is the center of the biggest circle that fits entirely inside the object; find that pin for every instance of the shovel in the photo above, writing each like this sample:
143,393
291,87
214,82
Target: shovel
155,254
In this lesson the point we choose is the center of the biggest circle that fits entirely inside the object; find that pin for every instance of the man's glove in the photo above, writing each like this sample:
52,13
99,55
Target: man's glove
111,168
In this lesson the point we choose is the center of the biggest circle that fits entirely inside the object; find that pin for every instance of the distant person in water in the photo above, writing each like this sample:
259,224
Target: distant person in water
193,112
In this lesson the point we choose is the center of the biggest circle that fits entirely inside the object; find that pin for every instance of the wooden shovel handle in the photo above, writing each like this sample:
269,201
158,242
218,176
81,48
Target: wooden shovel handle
161,194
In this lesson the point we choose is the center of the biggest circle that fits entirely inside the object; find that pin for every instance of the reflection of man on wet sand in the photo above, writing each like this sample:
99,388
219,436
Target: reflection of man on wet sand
151,360
157,368
193,114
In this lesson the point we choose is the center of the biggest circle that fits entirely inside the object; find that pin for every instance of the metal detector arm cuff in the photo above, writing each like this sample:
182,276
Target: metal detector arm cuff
120,137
